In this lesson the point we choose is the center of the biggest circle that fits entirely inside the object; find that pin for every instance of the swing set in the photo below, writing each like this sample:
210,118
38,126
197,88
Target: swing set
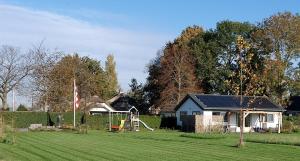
124,120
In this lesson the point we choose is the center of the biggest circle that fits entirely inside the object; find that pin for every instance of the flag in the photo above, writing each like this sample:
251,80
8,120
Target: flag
76,96
75,103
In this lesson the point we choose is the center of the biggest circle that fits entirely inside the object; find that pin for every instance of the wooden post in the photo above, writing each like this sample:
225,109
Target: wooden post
279,121
228,121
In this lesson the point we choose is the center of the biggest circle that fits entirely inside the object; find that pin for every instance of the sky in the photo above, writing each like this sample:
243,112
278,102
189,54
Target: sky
132,30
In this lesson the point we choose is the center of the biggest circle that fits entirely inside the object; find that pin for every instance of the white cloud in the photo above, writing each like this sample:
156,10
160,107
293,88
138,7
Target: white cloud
24,27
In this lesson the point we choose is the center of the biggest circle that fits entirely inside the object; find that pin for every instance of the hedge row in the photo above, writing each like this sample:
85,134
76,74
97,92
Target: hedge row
99,122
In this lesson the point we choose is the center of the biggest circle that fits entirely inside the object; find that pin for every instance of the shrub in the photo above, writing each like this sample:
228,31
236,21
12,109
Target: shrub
8,136
82,129
287,126
23,119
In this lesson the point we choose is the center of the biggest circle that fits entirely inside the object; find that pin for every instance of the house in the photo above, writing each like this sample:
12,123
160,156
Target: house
167,111
293,107
119,102
259,112
98,106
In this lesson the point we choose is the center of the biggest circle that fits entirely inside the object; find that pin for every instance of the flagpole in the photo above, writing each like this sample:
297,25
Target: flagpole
74,102
13,102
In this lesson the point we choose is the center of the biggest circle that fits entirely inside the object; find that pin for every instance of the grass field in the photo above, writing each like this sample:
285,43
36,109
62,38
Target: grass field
147,145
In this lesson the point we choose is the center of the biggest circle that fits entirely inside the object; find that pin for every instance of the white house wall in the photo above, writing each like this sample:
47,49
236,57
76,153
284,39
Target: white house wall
189,106
207,118
255,122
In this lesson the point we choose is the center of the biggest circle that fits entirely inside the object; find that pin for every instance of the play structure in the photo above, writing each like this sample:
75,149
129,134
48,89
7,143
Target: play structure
125,120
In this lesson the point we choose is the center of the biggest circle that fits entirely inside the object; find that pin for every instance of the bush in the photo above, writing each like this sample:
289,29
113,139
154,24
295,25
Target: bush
287,126
291,124
82,129
8,136
98,122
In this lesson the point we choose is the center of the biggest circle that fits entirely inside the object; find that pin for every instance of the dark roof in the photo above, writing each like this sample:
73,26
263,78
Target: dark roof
121,103
230,102
294,104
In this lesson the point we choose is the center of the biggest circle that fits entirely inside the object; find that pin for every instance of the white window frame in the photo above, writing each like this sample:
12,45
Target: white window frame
181,114
270,120
196,112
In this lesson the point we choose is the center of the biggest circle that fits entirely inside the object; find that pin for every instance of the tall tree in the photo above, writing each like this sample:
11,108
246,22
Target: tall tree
136,95
111,75
245,80
90,80
44,62
203,47
224,38
153,88
178,75
14,67
281,34
295,81
60,92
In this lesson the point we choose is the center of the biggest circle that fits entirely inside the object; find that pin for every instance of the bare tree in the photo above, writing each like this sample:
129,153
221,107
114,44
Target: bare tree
14,67
178,75
44,62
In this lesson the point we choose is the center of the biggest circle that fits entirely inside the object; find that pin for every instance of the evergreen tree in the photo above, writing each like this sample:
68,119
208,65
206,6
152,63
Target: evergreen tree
136,95
111,76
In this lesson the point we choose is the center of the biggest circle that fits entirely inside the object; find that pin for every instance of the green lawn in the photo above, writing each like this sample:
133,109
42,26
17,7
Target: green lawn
147,145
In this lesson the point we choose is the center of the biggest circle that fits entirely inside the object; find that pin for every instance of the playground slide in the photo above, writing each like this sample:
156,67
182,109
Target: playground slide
146,126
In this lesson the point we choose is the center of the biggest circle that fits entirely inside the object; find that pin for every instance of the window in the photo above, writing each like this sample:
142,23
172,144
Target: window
182,113
216,113
238,119
270,118
248,121
226,117
196,113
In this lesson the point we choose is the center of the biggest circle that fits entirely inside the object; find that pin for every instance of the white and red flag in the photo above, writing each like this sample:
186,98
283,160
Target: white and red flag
76,96
75,101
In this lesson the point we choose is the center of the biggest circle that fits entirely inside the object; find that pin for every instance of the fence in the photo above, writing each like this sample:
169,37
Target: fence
202,124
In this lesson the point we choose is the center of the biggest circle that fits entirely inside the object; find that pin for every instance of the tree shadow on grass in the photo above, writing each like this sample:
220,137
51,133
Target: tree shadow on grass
193,136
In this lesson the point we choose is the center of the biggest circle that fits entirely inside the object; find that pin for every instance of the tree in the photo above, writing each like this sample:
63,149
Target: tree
152,87
90,78
136,95
44,62
14,67
203,47
111,76
178,75
248,76
224,44
22,108
295,81
60,92
280,33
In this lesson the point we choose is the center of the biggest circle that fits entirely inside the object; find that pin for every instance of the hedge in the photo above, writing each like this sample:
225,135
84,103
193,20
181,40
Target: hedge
99,122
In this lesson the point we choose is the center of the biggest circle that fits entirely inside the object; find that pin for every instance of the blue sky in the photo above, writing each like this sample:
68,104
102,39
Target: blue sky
161,15
133,30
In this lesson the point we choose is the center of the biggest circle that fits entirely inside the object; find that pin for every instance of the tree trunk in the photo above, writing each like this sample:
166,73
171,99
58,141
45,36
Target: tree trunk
4,101
241,143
